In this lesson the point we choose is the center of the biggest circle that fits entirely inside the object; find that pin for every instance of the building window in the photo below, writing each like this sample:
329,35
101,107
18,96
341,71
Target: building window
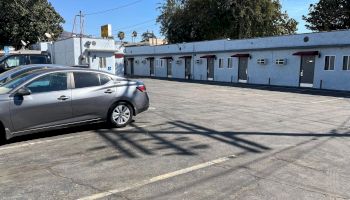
103,62
221,63
229,63
346,63
261,61
329,63
281,61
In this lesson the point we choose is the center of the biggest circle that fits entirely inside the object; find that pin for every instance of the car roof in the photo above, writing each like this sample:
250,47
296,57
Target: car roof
67,68
43,65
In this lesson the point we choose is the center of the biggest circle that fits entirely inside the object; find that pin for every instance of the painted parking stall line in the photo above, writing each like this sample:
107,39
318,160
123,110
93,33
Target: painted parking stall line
159,178
325,101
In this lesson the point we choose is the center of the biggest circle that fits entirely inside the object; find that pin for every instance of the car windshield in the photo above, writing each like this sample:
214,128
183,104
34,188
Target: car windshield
9,72
13,73
2,58
12,84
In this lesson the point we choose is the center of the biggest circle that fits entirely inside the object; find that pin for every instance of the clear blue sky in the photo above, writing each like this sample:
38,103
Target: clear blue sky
140,15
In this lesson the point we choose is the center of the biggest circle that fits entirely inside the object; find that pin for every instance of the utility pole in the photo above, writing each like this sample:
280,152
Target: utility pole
81,36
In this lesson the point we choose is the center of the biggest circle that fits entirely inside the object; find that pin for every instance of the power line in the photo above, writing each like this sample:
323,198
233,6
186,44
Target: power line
135,25
141,28
112,9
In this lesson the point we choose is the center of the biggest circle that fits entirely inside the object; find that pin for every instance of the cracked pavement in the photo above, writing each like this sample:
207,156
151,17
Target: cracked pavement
288,144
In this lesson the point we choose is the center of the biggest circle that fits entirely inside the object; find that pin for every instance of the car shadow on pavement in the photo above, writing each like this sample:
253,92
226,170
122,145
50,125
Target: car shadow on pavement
140,141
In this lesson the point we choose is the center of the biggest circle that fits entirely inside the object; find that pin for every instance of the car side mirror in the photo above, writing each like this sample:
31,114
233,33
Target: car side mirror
23,92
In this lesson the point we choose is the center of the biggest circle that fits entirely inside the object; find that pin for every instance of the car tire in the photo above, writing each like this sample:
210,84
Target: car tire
120,115
3,139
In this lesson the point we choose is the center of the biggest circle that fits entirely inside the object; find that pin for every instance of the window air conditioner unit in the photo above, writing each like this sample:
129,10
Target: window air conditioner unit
144,61
178,62
199,61
262,61
281,61
137,61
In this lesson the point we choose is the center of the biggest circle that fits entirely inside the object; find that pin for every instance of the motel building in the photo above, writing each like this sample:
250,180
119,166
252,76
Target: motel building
317,60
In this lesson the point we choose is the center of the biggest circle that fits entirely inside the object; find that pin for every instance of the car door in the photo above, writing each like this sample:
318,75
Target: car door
49,103
92,95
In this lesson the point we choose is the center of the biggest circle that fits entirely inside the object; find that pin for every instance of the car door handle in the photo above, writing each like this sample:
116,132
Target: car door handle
109,91
63,98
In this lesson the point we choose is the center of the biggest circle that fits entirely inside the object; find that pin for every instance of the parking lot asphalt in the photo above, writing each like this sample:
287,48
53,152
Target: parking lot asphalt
197,141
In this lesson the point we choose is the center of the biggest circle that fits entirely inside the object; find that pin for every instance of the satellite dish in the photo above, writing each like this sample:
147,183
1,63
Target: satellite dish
93,43
48,35
23,43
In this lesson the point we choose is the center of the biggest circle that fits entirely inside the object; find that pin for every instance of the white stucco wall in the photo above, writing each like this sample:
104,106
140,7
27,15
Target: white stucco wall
271,48
67,52
337,79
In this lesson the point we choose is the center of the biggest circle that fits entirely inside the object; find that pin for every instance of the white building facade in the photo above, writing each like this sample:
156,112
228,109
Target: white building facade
318,60
97,53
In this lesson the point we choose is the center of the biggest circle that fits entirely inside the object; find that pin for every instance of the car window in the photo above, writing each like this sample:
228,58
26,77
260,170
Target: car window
104,79
12,84
23,71
15,61
49,83
84,79
38,60
9,72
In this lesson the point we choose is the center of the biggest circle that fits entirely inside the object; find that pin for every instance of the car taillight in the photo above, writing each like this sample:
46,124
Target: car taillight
142,88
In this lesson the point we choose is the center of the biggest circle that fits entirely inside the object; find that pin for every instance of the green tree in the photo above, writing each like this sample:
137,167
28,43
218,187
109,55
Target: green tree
196,20
146,36
28,20
121,35
328,15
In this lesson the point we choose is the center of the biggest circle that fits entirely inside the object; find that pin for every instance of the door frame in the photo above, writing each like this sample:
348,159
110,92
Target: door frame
152,60
167,63
211,79
190,62
300,68
238,72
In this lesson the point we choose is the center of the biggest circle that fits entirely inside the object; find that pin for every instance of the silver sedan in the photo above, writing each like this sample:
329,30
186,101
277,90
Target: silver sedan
54,98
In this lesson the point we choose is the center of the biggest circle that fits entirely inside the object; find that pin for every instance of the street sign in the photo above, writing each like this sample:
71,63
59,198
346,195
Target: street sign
6,50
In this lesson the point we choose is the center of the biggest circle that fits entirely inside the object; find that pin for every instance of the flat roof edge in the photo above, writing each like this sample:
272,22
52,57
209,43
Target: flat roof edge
239,50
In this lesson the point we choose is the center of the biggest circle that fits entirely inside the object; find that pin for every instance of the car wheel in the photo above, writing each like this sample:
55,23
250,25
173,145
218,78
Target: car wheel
3,139
121,115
